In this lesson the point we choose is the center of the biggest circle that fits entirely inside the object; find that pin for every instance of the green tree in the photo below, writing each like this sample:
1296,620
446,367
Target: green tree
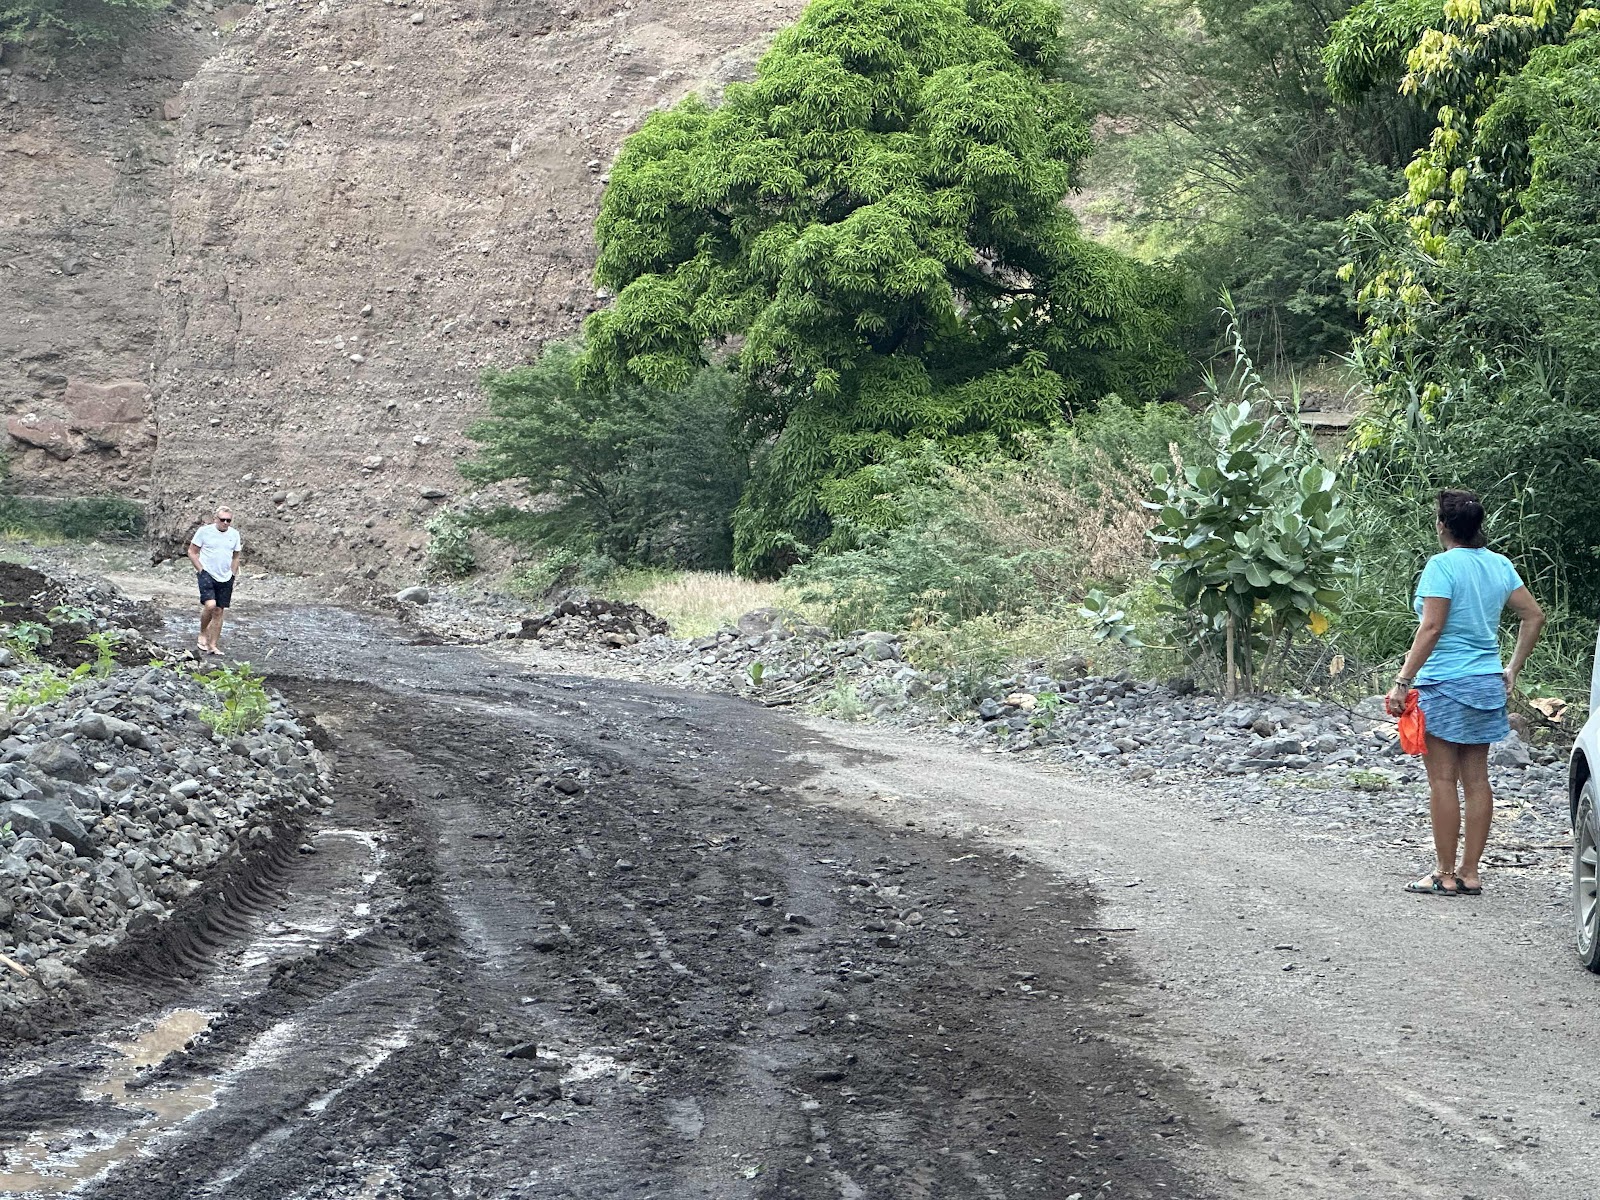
640,474
1507,84
1250,542
1227,150
874,228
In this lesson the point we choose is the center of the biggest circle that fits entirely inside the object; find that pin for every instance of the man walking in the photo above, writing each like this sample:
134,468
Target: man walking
214,551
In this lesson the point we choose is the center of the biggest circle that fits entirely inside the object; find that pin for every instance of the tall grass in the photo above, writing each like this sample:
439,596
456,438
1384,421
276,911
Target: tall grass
695,603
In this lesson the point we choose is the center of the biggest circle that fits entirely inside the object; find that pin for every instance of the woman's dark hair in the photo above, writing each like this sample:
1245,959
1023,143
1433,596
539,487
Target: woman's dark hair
1461,514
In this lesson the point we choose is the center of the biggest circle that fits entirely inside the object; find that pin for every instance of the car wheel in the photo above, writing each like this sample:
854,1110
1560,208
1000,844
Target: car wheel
1586,876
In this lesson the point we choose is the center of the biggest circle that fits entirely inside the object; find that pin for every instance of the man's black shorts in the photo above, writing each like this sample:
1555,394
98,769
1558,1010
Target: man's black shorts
210,589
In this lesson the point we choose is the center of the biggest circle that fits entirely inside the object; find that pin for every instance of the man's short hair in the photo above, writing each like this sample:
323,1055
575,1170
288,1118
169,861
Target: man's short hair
224,511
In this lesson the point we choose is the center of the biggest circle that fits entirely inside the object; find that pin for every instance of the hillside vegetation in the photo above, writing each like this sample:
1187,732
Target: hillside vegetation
858,342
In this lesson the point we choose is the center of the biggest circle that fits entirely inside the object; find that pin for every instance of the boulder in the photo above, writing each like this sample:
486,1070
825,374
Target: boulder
101,728
49,434
59,760
412,595
880,647
48,818
107,414
1510,753
763,620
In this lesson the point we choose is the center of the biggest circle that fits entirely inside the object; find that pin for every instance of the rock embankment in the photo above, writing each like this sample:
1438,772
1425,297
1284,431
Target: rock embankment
118,799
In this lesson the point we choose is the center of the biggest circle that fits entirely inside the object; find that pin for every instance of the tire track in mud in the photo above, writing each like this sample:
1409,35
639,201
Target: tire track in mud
614,950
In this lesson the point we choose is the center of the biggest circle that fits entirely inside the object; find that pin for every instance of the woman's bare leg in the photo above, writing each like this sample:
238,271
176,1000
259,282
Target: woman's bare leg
1444,806
1472,764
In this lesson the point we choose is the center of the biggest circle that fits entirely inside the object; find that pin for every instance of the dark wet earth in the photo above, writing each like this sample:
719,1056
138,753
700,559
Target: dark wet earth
563,937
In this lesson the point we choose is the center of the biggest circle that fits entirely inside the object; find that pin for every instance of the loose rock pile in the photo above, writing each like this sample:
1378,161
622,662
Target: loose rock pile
1340,767
1315,758
582,623
116,801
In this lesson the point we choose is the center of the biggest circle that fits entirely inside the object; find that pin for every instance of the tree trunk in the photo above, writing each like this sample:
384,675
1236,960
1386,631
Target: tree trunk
1231,689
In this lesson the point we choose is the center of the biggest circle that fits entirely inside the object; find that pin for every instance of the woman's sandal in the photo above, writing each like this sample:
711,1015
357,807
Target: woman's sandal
1463,890
1435,887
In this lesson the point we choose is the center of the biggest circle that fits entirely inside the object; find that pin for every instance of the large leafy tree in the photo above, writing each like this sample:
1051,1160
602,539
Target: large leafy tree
1481,282
1226,150
872,235
1509,85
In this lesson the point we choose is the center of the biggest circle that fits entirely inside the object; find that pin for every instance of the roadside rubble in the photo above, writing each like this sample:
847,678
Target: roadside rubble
116,799
1341,768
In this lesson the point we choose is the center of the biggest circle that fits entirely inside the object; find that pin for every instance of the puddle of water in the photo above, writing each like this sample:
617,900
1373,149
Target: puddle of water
34,1167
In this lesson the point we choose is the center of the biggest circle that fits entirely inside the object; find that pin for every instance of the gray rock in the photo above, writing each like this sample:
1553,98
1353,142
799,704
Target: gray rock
762,621
57,758
102,728
1510,753
48,818
412,595
122,779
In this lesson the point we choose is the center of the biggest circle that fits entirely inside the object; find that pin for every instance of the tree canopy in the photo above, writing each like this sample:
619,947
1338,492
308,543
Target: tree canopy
871,235
1226,151
638,475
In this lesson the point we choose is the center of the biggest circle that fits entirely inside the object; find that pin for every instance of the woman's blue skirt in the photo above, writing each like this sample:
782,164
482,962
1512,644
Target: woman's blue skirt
1470,711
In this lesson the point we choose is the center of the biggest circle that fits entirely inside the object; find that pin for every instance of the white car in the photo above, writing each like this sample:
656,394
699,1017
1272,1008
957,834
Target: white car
1584,792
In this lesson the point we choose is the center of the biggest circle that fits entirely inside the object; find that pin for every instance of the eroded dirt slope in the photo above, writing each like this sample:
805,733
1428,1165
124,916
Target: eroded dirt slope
86,151
373,202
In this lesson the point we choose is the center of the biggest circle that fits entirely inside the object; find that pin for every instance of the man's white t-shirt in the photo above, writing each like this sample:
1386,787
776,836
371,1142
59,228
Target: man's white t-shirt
217,547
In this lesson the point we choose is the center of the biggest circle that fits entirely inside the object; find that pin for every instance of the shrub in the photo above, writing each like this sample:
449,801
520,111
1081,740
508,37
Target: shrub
640,475
45,24
450,545
104,643
242,696
1006,536
80,519
1250,540
44,685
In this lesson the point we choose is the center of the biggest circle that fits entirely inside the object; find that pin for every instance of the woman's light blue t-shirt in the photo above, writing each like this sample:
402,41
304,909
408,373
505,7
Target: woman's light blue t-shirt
1477,583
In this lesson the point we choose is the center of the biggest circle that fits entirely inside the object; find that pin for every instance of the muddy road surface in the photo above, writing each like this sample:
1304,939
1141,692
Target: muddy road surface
562,937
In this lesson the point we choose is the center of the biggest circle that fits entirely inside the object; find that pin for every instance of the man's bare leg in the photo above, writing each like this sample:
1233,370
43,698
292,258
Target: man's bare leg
206,609
217,614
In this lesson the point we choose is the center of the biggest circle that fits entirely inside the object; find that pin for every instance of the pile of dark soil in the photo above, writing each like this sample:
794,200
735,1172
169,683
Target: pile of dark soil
69,608
613,623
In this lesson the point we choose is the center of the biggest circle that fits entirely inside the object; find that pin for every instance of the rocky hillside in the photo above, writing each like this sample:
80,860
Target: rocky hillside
357,205
85,188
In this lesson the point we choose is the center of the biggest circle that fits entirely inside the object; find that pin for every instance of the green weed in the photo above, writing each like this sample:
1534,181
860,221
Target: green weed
243,699
104,643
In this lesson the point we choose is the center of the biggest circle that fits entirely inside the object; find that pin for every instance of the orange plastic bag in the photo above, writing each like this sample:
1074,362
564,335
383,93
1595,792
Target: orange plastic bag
1413,726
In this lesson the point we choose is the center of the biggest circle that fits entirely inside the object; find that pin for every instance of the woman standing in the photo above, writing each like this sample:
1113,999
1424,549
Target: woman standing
1454,664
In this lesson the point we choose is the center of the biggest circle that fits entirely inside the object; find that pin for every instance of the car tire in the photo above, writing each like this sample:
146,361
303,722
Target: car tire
1586,876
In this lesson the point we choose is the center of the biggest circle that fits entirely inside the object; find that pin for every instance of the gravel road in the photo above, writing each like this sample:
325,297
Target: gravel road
1363,1042
567,937
561,937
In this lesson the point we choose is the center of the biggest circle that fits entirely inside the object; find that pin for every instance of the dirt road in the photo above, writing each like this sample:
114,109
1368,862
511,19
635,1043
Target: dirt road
563,937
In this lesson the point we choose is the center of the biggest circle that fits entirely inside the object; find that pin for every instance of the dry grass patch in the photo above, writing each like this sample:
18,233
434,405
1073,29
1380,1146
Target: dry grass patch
696,603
